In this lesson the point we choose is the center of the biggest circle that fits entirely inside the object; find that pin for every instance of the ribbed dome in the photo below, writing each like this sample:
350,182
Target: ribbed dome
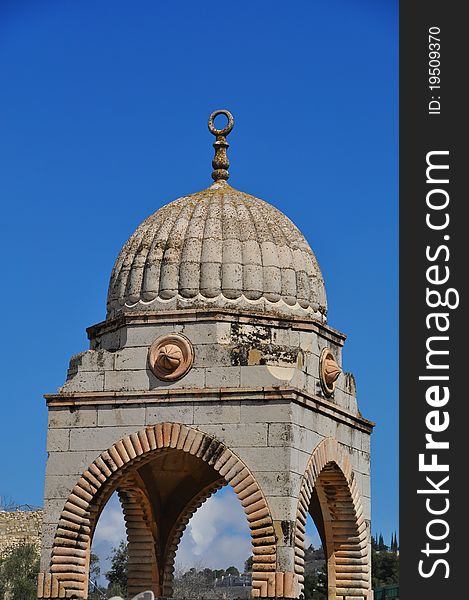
221,248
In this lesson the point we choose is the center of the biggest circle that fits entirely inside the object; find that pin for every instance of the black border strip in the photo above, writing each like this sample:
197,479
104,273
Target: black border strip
426,128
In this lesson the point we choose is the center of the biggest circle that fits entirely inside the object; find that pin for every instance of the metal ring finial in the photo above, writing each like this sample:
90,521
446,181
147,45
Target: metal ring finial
220,162
211,122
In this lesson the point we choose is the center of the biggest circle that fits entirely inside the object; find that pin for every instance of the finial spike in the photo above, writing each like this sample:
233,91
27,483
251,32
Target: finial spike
220,162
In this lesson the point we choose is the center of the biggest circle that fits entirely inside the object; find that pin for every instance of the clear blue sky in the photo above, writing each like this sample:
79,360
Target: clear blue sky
103,110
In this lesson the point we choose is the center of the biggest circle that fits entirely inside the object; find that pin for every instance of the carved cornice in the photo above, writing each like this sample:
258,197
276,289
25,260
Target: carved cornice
218,395
215,314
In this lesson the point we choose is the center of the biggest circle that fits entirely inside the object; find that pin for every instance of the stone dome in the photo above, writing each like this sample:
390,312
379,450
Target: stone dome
218,248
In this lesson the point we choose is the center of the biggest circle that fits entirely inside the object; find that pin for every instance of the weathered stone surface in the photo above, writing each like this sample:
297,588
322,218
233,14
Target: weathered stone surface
365,441
209,333
321,424
95,360
69,463
285,557
286,337
265,376
47,539
59,486
271,411
144,335
111,340
308,342
363,482
121,416
127,380
84,381
226,251
283,508
270,459
86,416
217,377
363,462
239,434
344,398
211,355
132,359
90,439
54,508
311,364
19,527
289,434
366,503
177,412
279,483
58,440
228,412
195,378
343,434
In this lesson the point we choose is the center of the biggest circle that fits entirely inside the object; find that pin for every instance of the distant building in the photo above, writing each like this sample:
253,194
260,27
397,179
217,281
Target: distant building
243,580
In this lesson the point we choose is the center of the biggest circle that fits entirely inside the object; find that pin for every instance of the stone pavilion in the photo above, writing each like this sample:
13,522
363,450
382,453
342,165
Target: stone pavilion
215,366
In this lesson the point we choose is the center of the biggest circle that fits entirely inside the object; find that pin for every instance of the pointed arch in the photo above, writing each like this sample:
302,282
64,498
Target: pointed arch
72,542
329,475
178,531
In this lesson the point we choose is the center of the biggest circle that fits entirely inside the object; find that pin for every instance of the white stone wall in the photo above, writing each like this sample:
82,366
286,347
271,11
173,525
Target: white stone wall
274,438
111,392
227,354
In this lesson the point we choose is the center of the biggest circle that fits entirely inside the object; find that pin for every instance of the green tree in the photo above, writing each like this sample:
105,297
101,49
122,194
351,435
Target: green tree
315,585
95,591
248,565
117,575
381,544
384,568
95,569
232,571
18,573
322,582
208,575
394,544
218,573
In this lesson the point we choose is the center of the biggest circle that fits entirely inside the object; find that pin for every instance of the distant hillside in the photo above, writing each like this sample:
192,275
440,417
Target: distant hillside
314,560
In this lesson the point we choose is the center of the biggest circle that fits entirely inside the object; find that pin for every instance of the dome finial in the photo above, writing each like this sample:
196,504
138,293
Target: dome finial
220,162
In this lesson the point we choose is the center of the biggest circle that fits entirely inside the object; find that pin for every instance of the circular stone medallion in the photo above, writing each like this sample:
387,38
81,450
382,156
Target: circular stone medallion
170,357
329,371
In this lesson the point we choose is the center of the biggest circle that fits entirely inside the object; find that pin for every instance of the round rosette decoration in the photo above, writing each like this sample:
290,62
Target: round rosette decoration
171,356
329,371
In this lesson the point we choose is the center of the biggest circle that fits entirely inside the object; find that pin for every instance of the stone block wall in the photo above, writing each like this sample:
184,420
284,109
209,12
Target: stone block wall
230,351
20,527
275,438
254,386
